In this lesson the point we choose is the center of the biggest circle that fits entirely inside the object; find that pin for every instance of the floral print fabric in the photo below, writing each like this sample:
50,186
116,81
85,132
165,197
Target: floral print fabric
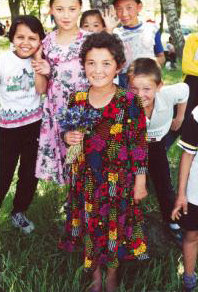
66,76
101,215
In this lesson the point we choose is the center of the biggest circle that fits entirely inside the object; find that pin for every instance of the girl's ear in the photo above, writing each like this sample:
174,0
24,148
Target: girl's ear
160,85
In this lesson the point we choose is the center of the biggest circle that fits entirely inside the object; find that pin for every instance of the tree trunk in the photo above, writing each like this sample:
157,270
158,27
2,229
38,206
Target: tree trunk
170,10
161,17
14,7
178,7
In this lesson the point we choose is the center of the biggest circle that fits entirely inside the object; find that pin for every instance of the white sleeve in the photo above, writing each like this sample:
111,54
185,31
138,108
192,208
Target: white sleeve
177,93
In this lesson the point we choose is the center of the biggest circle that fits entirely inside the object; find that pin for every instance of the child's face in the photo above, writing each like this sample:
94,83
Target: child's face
25,41
100,67
127,11
93,23
66,13
145,87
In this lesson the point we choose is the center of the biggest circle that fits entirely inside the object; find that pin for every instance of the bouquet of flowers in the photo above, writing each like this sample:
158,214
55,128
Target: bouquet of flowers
77,118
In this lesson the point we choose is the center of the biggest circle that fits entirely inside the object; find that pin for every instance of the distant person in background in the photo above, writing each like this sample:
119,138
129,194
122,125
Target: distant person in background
190,70
7,28
170,54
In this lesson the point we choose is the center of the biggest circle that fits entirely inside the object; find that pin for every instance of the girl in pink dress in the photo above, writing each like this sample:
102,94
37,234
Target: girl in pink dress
61,48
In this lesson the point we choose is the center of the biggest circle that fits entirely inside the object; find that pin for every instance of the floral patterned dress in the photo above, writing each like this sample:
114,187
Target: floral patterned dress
101,217
66,76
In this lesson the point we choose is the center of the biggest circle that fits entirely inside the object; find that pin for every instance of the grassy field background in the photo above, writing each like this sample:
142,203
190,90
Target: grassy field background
33,263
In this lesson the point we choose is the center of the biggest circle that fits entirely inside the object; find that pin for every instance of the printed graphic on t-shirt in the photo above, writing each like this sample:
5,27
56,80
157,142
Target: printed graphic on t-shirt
23,82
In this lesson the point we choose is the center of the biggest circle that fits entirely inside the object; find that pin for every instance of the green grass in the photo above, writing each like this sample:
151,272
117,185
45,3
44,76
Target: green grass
33,263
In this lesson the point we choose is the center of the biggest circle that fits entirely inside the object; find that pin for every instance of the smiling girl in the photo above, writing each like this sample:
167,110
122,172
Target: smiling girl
20,114
61,48
103,215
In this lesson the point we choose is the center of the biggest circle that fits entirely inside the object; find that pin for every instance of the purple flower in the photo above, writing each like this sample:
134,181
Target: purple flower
123,153
104,210
97,143
138,153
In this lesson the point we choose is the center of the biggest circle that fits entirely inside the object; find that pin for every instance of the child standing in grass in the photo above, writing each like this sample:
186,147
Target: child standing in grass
108,180
186,205
61,48
158,101
20,114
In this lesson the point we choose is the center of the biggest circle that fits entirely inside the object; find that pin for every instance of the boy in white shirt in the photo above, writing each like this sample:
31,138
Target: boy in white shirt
158,101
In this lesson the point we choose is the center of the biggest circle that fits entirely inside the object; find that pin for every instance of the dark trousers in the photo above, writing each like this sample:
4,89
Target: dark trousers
19,143
158,168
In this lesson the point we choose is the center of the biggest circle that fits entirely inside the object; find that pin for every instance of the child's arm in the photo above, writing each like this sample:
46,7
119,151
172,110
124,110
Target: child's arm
184,170
41,68
160,58
140,191
178,120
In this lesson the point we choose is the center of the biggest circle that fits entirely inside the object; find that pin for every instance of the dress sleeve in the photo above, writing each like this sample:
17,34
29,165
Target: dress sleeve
136,135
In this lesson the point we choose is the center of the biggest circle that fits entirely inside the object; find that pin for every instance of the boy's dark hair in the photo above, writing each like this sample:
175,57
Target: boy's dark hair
91,12
145,66
51,2
111,42
137,1
31,21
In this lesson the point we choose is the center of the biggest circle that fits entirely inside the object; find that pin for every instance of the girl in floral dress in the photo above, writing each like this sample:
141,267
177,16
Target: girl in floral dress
108,178
61,48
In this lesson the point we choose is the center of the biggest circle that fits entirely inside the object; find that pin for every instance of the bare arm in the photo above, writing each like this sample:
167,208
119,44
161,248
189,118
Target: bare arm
160,58
40,78
178,120
184,170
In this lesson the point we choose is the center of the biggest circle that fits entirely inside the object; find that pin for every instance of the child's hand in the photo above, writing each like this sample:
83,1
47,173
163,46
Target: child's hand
140,191
176,124
110,19
41,67
73,137
181,203
38,55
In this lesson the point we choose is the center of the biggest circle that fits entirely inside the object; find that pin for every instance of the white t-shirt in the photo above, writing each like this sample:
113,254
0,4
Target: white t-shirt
189,143
138,42
20,104
160,122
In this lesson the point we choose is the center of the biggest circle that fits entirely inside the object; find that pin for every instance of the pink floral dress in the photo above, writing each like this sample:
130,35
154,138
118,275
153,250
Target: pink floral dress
66,76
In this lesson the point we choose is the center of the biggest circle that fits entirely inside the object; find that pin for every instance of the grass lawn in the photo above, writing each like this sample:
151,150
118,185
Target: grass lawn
33,263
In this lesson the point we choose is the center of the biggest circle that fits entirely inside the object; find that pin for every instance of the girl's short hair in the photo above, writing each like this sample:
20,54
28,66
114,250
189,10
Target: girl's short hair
51,2
137,1
147,67
111,42
91,12
30,21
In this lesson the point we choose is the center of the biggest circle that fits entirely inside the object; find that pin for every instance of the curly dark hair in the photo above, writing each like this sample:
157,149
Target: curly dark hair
111,42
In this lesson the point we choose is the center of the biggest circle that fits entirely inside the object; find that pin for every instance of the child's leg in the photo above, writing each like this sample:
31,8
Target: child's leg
190,251
158,167
9,155
27,181
111,282
97,280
